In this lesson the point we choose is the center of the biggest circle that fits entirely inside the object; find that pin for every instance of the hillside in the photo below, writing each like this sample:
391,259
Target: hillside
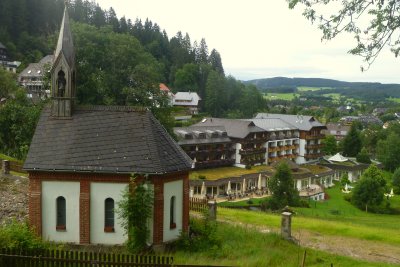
366,91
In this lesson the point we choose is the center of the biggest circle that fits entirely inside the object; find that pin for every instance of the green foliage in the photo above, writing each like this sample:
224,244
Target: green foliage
330,145
368,192
396,181
8,85
283,191
344,180
363,156
352,142
352,17
388,151
203,235
18,119
135,209
17,235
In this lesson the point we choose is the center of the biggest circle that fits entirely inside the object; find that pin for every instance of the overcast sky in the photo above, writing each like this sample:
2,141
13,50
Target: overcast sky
260,38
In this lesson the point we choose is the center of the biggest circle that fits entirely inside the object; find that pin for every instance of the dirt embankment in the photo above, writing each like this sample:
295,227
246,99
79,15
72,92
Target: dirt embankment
13,198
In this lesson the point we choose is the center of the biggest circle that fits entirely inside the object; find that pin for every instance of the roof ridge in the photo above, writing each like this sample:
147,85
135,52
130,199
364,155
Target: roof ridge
111,108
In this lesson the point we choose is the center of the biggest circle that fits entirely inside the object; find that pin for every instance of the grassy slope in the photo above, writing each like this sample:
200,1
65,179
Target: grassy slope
350,222
243,246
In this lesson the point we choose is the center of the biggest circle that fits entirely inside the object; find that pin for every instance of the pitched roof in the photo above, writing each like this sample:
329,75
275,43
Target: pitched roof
201,135
188,98
105,140
65,44
272,124
2,46
36,69
304,123
234,128
338,158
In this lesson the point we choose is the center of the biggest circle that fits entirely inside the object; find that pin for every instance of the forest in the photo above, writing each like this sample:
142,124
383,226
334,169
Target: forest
119,62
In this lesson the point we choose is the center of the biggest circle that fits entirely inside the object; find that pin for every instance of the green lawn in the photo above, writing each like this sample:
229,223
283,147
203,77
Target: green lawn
217,173
306,88
331,217
276,96
245,246
3,156
394,99
243,203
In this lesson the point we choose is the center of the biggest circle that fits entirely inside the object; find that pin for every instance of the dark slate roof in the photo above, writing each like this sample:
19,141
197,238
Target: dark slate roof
65,44
234,128
105,140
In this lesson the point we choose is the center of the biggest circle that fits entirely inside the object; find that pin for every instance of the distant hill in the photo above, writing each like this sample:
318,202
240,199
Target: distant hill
267,83
366,91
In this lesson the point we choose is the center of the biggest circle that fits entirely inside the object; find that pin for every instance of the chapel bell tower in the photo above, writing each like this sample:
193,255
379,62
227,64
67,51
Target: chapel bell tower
63,73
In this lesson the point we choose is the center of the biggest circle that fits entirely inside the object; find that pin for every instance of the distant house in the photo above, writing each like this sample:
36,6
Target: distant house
167,92
363,119
5,60
32,78
81,159
189,100
379,111
338,130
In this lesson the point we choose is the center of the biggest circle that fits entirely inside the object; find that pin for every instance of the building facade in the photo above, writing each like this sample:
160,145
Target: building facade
81,160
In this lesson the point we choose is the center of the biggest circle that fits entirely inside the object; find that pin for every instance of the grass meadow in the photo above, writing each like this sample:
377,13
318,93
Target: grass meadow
245,246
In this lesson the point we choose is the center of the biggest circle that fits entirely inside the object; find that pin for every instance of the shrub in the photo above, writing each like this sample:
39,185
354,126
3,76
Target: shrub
250,201
202,177
201,237
17,235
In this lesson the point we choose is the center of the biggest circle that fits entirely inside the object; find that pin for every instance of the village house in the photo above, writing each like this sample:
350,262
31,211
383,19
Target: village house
188,100
5,60
338,130
81,160
32,78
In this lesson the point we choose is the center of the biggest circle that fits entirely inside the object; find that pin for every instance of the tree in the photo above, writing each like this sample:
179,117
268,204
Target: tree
396,180
281,186
135,209
369,191
215,94
382,31
363,156
352,142
216,62
388,151
330,145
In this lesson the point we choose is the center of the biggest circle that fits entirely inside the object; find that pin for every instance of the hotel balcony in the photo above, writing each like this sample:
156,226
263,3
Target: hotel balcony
314,155
314,146
317,136
214,163
252,151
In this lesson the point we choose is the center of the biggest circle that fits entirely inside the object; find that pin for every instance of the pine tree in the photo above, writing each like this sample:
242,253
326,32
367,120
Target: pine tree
352,142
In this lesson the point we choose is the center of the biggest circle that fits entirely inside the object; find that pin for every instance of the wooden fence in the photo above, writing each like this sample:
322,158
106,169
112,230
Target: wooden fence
198,204
62,258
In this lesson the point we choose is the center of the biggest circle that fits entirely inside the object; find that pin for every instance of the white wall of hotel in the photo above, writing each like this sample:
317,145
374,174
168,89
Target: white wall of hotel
238,157
302,150
173,189
99,192
51,190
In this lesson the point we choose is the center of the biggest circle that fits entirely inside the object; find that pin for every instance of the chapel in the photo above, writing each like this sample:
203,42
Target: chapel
81,159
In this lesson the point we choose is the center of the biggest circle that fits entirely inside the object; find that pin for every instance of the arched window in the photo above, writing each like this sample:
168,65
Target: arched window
61,213
61,83
172,213
109,215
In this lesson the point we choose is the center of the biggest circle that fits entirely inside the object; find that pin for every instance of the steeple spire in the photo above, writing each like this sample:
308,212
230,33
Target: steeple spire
65,43
63,72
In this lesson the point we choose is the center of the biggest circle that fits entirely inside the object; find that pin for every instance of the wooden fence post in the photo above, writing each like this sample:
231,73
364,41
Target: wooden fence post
5,167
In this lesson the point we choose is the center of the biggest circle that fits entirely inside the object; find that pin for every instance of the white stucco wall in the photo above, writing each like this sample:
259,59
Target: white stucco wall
302,150
174,188
99,192
70,191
